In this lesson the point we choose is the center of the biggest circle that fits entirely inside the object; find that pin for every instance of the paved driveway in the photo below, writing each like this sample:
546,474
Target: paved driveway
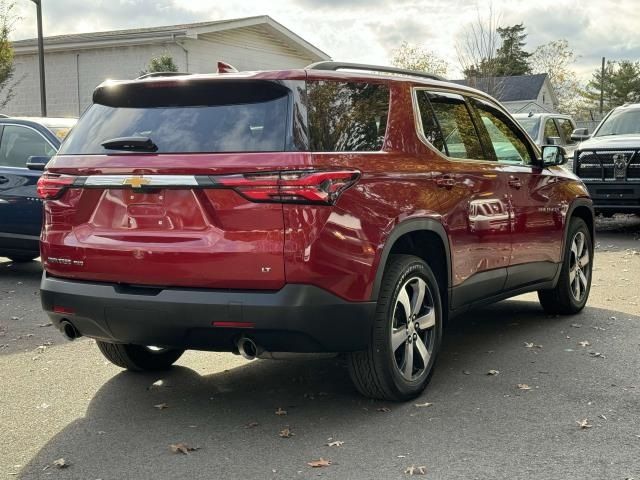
62,400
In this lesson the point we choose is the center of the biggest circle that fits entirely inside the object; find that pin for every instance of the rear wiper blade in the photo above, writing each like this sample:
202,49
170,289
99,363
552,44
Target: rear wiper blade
143,144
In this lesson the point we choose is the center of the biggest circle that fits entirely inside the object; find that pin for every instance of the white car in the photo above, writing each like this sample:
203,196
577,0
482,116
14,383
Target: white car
549,129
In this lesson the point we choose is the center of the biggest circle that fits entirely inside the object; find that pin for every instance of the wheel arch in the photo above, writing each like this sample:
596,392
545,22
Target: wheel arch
425,238
580,208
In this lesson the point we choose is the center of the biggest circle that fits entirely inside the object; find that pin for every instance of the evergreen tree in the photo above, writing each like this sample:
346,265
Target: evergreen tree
511,58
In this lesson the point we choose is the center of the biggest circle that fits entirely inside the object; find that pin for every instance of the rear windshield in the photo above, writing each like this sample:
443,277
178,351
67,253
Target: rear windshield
221,116
531,125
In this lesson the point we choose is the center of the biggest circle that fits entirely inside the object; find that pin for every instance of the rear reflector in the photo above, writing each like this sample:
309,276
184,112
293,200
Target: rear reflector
321,187
63,310
234,324
51,185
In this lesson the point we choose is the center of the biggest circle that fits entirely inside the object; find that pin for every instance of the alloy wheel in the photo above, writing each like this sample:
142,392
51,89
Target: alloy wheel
579,267
413,328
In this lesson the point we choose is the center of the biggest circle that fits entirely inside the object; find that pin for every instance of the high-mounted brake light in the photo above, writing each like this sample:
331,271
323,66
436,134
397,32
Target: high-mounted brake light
51,185
321,187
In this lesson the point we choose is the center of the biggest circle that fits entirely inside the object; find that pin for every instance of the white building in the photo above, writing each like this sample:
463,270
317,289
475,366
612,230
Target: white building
76,64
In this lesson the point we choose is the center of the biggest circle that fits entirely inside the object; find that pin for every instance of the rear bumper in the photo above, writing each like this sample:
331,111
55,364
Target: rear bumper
297,318
615,196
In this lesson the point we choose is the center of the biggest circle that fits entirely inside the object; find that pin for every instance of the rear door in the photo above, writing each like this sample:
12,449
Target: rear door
193,210
473,195
20,207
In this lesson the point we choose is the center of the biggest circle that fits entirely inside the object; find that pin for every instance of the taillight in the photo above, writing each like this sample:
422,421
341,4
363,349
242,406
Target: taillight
323,187
51,185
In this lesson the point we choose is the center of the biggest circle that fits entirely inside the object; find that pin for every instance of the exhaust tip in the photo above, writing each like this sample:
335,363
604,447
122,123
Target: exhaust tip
69,331
247,348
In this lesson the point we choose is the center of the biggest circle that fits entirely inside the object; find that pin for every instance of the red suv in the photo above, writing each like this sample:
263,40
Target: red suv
314,210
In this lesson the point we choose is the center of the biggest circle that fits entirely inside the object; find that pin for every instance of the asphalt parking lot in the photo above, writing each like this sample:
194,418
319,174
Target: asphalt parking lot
61,399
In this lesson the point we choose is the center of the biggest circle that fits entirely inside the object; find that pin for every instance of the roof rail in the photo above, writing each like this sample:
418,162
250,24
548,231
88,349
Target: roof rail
335,66
161,74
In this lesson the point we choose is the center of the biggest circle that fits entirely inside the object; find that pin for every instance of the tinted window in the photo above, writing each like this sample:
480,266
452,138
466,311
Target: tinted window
20,143
218,116
347,116
567,130
550,130
508,143
458,137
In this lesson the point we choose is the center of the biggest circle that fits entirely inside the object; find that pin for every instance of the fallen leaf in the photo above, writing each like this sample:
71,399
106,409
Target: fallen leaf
584,343
584,424
493,372
413,470
523,386
280,411
15,318
45,324
384,409
466,372
321,462
597,355
182,448
286,433
61,463
425,404
576,325
336,443
602,416
161,406
251,425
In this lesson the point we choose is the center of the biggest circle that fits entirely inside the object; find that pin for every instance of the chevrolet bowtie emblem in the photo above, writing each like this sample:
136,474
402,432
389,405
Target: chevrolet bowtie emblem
136,182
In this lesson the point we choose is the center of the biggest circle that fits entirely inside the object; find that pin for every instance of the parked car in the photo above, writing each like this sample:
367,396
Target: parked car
549,129
608,162
314,210
26,144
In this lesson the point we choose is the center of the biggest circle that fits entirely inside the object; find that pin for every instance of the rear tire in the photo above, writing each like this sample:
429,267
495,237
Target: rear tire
405,340
139,358
22,258
572,290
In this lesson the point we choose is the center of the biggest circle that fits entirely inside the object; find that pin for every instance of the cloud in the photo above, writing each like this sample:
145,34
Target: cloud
369,30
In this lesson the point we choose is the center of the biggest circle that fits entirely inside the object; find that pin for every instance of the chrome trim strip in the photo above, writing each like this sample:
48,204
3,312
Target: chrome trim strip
139,181
20,236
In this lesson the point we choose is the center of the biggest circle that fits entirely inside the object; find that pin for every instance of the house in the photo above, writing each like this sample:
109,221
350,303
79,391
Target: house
76,64
519,93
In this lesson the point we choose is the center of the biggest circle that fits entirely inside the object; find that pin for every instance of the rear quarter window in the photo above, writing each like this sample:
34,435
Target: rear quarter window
347,116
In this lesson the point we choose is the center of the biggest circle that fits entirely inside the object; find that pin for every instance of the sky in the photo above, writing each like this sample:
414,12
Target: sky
368,31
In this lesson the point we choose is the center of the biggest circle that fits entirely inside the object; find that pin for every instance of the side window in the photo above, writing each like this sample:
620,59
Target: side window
567,130
346,116
20,143
509,144
550,130
448,125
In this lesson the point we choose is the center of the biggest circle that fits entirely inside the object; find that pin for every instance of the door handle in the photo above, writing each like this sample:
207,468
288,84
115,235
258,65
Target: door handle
3,179
445,181
514,182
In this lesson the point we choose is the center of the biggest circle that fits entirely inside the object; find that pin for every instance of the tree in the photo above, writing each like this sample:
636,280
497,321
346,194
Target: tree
7,69
555,59
163,63
621,84
511,59
477,50
416,58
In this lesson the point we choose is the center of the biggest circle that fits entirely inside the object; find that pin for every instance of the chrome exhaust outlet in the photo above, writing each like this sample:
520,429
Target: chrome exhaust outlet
69,331
248,348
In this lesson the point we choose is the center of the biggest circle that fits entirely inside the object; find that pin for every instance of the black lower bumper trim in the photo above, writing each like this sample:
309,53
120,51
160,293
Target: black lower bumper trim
297,318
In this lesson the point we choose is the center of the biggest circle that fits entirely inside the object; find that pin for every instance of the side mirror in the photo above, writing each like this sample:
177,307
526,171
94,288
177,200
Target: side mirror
580,134
554,141
553,155
37,162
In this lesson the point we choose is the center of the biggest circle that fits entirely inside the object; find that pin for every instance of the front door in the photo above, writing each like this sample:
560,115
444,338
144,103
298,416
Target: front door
537,227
